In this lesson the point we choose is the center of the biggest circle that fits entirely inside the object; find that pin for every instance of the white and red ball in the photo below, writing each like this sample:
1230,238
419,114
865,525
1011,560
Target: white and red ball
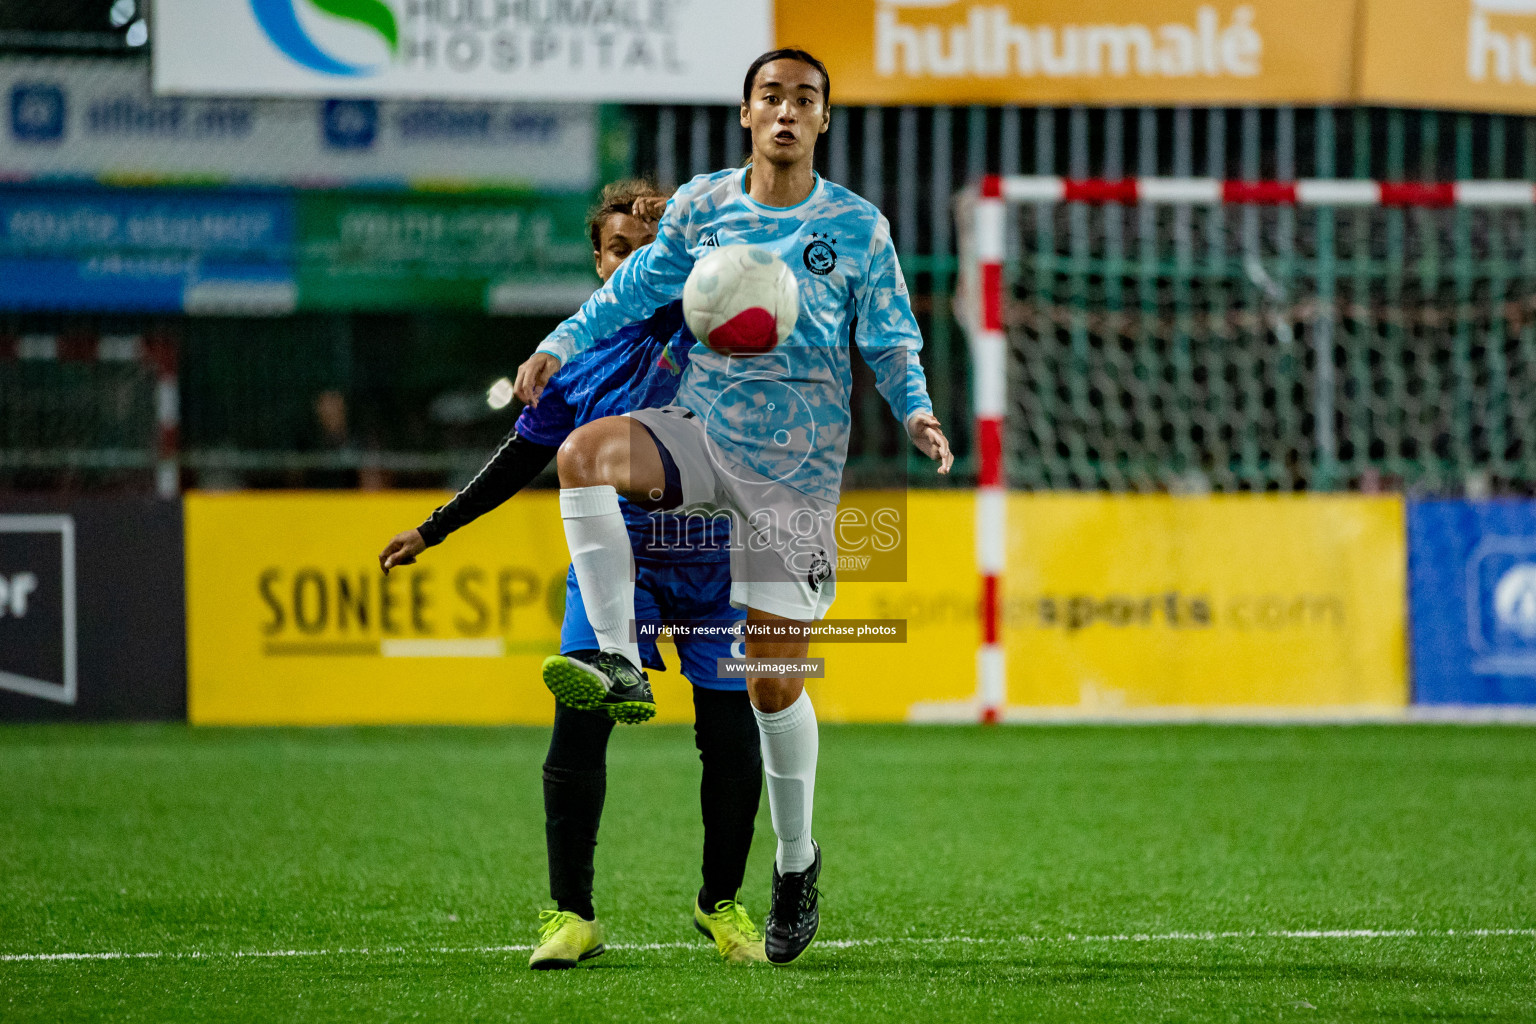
741,300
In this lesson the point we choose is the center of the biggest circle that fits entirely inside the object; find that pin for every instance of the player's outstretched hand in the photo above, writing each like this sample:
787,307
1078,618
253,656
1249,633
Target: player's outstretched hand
533,375
926,433
649,207
401,550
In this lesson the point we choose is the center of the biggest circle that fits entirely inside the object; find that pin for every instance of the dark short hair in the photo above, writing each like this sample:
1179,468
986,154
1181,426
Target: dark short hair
619,197
787,53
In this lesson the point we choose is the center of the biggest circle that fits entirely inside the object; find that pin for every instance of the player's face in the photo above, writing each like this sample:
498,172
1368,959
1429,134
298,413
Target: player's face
621,235
786,113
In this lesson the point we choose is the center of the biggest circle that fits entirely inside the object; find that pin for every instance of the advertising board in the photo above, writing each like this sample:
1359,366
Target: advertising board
40,649
98,121
1119,602
1466,54
1472,582
289,619
91,609
229,251
1161,52
498,254
638,51
146,251
1280,605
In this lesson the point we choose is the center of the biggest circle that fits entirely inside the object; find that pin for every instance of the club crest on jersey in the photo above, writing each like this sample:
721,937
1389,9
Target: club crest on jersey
820,258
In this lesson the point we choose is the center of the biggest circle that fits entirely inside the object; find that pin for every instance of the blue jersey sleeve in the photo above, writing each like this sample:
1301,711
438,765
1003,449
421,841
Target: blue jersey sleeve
644,283
887,334
552,419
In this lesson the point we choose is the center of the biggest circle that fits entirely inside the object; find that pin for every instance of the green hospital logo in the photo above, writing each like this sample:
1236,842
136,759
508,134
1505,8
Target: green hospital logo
280,21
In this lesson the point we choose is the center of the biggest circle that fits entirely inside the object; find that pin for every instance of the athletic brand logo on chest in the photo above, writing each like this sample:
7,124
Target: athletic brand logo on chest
711,239
820,257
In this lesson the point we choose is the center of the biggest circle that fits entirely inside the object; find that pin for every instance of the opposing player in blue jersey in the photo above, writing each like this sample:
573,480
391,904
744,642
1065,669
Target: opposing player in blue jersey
762,438
683,575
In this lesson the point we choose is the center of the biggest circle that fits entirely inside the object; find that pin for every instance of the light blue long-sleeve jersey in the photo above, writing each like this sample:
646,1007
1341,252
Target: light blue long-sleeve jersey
783,415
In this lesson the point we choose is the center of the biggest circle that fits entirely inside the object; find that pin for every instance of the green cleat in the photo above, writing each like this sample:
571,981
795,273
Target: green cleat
565,940
732,932
602,682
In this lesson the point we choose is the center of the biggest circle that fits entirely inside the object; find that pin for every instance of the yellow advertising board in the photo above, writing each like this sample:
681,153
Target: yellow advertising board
1114,604
1468,54
290,621
1119,603
937,599
892,52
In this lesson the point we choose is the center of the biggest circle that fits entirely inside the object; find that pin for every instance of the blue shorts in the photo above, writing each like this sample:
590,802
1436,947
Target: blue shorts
696,592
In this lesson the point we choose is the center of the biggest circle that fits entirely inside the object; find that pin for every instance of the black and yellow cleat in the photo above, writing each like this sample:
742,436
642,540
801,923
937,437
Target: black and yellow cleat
605,683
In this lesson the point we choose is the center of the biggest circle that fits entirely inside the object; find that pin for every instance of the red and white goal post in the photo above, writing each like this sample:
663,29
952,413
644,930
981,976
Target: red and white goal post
981,303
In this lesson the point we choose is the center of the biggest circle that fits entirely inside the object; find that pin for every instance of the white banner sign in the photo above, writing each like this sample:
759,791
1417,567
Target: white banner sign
619,50
99,120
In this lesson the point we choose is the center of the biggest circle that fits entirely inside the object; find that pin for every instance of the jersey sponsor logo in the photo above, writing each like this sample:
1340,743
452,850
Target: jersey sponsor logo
820,258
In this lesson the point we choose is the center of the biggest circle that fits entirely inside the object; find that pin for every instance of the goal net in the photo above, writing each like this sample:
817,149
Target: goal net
1193,335
1189,335
80,409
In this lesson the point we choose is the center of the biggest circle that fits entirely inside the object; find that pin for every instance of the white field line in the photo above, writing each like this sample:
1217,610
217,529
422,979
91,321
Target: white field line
966,712
946,940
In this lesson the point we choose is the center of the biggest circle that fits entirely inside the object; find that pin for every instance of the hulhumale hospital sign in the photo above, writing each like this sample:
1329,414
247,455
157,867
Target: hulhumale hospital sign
1458,54
637,50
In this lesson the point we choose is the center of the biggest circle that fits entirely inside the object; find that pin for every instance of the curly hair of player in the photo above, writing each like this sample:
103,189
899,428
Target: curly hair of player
636,197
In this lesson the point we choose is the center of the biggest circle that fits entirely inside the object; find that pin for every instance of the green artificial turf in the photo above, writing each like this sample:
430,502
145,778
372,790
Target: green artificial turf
970,875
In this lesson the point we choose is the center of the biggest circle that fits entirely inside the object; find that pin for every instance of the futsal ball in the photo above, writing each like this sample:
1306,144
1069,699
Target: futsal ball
741,300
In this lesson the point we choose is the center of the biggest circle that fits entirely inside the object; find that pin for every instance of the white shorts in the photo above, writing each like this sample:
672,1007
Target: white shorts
783,542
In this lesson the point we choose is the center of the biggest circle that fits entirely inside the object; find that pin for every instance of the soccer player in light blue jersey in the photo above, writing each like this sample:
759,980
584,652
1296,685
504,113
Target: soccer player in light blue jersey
762,438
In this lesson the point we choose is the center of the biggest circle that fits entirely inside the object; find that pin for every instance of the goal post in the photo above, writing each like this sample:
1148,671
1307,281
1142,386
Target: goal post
989,361
1191,335
76,401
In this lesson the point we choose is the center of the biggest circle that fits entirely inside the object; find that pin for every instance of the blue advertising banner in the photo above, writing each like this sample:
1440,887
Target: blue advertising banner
73,119
1472,595
225,252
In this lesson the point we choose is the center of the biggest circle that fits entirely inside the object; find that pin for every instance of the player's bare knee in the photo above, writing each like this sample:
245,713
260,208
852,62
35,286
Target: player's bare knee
567,465
583,459
773,693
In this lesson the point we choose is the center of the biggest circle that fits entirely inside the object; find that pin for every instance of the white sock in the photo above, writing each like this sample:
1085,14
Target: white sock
604,563
789,761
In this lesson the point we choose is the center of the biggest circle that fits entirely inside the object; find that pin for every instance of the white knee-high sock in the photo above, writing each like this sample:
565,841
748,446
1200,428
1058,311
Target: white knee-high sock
790,742
604,563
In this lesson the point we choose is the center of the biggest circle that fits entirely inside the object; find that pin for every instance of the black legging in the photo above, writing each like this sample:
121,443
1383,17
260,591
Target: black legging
576,780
